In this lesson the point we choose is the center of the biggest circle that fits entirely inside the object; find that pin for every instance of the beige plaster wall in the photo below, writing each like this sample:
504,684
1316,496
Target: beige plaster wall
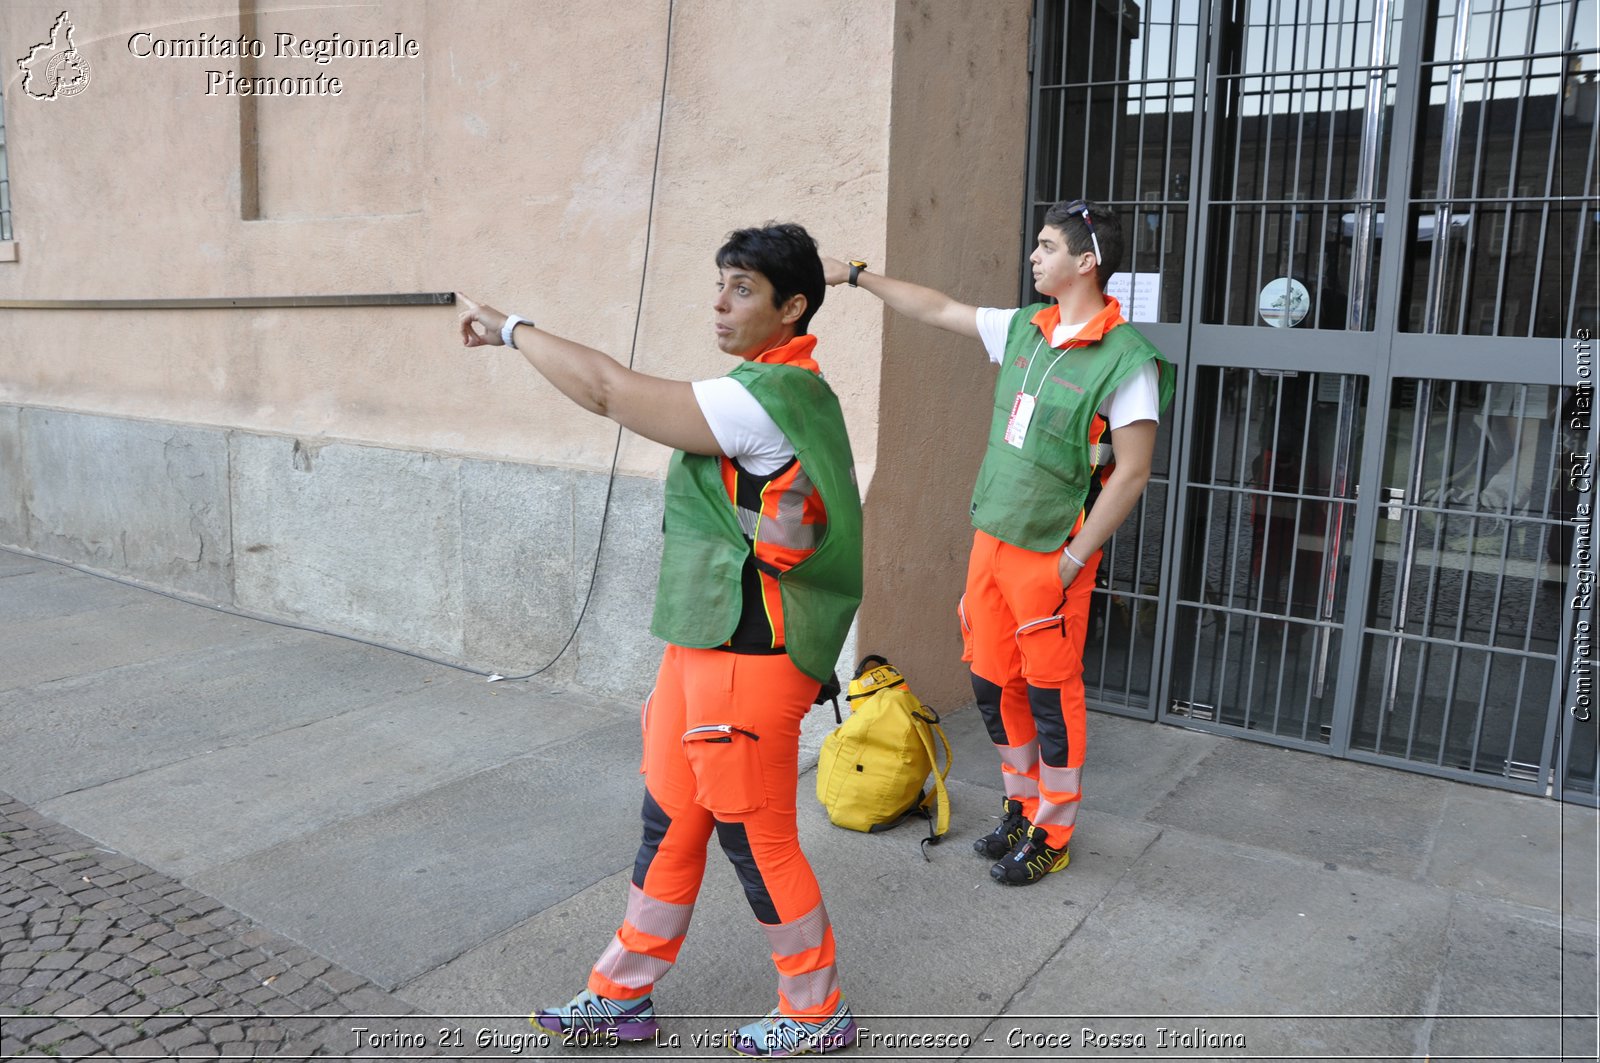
512,160
957,154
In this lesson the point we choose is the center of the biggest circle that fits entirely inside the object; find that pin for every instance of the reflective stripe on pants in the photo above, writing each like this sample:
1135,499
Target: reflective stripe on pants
1024,636
741,783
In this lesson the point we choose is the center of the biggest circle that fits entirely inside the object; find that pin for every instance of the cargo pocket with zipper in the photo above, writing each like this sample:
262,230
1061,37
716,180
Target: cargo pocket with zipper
727,768
1049,652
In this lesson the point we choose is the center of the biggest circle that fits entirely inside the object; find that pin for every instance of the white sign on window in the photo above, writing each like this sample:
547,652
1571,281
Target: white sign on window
1138,293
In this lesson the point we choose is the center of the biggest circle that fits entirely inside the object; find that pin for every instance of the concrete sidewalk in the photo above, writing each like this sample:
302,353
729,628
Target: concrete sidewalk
334,850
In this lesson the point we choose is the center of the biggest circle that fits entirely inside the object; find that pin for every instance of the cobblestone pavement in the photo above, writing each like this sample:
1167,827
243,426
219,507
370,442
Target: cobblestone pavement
103,958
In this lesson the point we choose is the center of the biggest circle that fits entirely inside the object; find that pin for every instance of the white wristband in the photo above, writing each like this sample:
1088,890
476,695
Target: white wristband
1072,556
512,321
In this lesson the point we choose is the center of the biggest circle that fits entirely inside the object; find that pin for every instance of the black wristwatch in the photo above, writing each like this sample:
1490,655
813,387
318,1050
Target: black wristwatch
856,266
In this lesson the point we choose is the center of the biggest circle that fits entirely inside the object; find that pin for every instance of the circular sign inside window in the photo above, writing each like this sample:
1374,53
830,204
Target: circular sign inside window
1284,302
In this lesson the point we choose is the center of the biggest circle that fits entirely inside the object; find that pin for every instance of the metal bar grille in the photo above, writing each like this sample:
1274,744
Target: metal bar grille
1585,236
1577,776
1304,93
1267,503
1122,662
1436,642
1114,120
1463,641
1115,100
1511,102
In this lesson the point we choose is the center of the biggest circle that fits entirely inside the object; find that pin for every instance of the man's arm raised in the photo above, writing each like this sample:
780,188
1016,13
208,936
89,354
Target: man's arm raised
926,305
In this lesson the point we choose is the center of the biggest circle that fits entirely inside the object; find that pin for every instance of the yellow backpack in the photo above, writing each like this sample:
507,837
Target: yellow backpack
873,766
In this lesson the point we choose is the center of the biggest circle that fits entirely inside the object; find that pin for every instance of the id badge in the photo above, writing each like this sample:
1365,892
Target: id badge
1021,414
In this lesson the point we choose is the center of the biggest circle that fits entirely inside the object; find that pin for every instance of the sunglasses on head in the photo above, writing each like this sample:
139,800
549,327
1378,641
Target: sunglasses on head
1079,206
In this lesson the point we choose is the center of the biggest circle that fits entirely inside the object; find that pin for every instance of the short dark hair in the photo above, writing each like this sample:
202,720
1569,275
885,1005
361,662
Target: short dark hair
1107,231
786,255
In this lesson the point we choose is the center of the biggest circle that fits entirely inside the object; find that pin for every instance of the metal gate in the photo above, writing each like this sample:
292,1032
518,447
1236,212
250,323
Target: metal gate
1368,242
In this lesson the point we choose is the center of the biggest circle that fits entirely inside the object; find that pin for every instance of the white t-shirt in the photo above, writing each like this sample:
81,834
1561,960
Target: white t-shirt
1137,398
744,430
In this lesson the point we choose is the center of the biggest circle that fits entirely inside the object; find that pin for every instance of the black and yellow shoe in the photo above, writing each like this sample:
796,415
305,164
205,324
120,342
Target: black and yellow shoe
1012,829
1030,861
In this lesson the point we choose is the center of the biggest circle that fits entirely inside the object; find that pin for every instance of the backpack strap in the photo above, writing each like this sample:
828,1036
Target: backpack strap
830,692
939,823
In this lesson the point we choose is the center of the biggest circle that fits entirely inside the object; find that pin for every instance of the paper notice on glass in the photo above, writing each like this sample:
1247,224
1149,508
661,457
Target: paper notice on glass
1138,293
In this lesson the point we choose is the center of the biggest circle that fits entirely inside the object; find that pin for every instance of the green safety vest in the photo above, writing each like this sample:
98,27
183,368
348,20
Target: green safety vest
699,596
1030,496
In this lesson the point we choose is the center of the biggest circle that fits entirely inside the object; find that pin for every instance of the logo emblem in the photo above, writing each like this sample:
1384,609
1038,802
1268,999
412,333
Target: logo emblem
54,68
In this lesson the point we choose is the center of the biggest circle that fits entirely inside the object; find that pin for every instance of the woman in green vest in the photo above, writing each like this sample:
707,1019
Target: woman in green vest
1071,438
760,577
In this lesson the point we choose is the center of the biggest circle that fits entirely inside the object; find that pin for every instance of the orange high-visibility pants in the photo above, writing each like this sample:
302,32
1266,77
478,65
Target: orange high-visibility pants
1023,635
721,752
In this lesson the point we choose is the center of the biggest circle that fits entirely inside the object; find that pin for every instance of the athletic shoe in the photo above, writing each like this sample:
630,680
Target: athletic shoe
1030,861
1004,838
778,1035
593,1019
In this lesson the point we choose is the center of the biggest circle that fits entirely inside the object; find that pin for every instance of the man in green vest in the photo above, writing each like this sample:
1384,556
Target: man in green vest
760,577
1073,431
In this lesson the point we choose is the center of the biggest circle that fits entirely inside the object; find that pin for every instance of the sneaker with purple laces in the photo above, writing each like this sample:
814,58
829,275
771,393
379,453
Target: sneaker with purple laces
589,1018
776,1035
